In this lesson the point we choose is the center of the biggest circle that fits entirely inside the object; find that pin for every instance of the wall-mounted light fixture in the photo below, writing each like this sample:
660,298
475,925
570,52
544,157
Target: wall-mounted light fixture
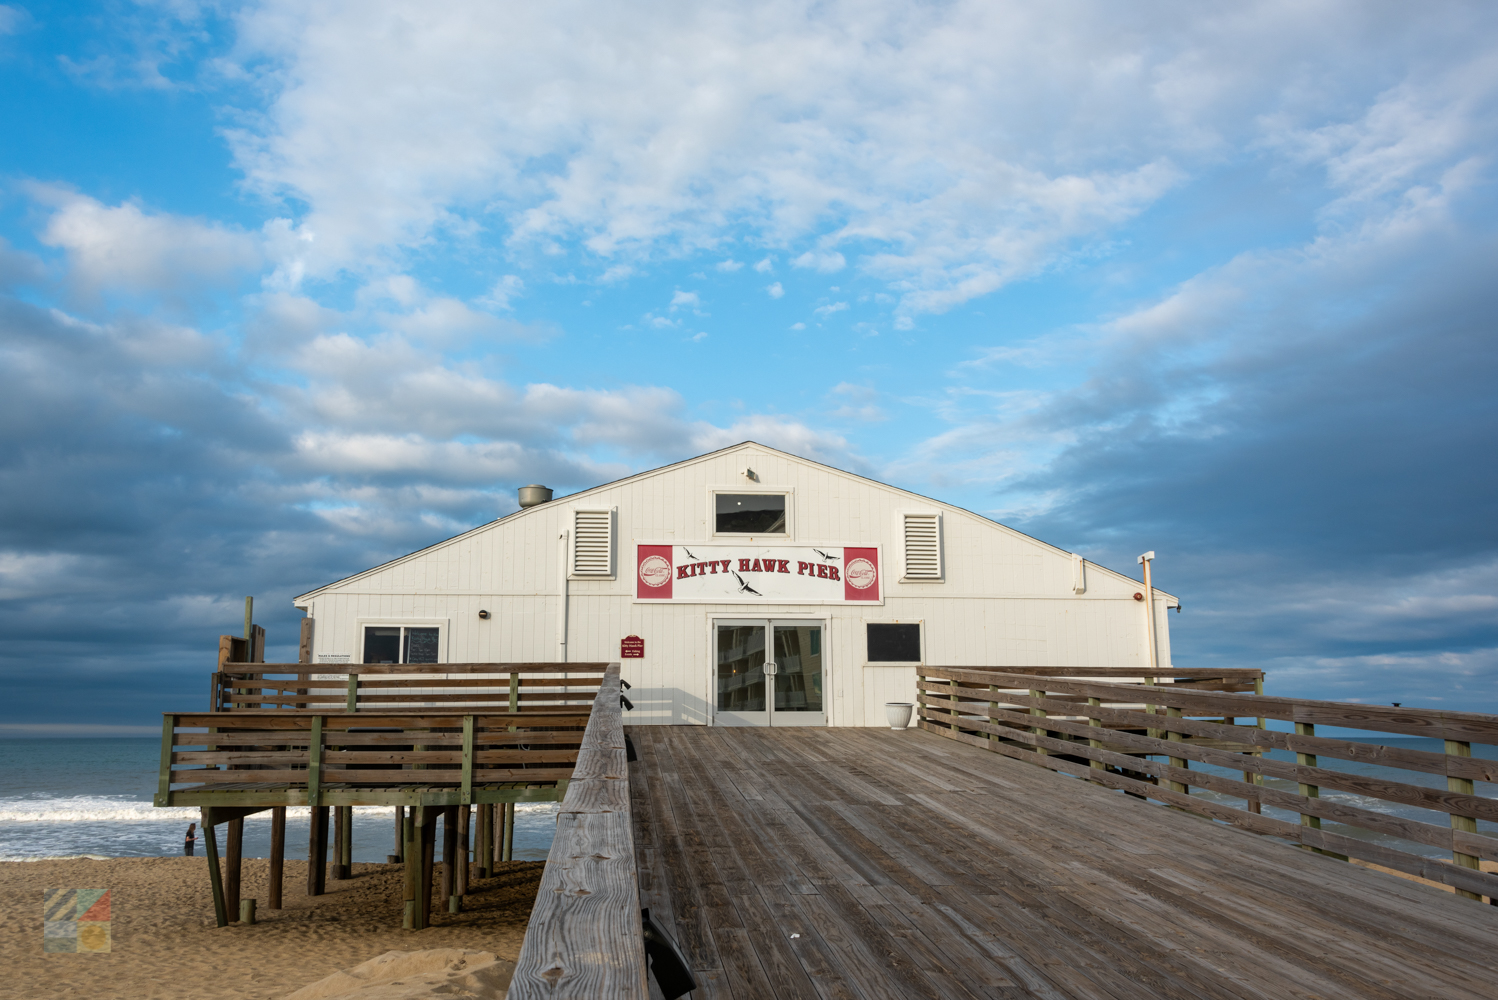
483,614
751,475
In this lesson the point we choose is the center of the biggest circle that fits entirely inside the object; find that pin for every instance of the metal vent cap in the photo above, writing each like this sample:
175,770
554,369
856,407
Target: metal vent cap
534,494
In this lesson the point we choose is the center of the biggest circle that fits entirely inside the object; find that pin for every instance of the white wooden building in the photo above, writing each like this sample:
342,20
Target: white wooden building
757,588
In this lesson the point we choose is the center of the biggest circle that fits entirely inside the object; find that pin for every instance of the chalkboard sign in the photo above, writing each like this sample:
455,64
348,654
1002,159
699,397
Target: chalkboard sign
631,647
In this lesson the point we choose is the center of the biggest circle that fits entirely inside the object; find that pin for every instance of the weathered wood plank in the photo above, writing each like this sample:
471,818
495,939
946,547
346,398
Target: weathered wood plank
584,938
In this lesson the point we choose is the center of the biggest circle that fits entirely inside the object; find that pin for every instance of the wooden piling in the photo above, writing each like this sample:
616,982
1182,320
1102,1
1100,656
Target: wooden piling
484,840
210,844
509,849
400,835
233,867
277,857
428,844
465,824
317,851
336,859
449,853
411,853
343,842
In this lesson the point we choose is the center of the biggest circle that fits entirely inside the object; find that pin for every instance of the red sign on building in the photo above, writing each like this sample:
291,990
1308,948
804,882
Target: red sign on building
631,647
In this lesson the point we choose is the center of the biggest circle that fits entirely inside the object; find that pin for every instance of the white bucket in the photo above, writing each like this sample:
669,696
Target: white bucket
898,713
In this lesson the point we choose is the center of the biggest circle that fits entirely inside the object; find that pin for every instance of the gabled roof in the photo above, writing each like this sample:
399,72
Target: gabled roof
685,463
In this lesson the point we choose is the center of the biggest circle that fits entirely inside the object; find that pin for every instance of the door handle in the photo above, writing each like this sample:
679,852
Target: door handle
769,668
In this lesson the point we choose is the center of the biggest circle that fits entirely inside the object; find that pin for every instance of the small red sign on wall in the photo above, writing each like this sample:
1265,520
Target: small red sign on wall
631,647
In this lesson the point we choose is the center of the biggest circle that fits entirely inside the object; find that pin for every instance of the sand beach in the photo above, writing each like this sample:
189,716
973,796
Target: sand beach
166,947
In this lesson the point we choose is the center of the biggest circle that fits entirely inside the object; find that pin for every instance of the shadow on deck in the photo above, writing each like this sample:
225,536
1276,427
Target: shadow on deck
854,863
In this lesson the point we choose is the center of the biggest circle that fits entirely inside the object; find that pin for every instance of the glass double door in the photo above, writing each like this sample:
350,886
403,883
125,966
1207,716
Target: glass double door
769,673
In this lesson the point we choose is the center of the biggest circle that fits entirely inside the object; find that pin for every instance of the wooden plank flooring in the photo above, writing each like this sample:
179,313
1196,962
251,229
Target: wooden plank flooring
864,863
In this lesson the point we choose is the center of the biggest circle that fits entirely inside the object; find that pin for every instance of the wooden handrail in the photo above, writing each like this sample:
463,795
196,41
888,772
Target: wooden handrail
366,687
413,668
585,938
1099,731
1428,722
1236,673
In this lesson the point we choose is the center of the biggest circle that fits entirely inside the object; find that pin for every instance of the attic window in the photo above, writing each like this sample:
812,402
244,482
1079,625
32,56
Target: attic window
750,514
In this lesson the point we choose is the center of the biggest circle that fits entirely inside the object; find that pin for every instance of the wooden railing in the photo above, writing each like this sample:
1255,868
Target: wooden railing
1106,731
585,937
298,755
365,687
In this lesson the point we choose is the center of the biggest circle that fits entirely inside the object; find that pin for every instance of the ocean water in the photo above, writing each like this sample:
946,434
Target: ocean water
92,798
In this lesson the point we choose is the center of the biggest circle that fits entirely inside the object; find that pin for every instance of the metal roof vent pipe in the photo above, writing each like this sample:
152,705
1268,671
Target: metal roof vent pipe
532,495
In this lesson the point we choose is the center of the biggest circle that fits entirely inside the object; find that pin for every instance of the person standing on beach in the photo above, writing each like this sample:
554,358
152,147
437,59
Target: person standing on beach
190,840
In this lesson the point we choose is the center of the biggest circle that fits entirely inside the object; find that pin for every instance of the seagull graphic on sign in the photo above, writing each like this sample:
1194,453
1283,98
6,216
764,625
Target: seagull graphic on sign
744,587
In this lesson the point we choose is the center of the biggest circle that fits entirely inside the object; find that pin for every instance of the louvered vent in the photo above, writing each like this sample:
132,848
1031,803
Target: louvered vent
923,547
592,542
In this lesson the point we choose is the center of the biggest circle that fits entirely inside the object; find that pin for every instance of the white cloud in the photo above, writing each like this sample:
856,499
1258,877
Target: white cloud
765,266
828,310
506,288
798,326
730,266
125,248
826,262
951,148
684,299
775,291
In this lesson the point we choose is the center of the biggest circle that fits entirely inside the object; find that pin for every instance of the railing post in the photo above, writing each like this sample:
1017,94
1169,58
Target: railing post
353,692
1254,777
1038,713
1464,824
466,798
168,740
1149,709
1311,791
514,697
1095,723
314,763
994,737
1181,762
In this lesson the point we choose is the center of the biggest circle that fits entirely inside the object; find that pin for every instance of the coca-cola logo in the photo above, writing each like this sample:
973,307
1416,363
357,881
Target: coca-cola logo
860,574
655,571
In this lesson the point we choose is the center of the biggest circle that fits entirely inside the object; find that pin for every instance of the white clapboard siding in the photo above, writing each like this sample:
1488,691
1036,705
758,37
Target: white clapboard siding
923,547
984,594
592,542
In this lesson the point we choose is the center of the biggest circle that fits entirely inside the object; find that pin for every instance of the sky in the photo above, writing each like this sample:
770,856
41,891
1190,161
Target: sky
288,289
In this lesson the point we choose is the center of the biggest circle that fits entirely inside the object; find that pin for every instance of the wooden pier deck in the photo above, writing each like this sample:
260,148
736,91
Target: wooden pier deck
853,863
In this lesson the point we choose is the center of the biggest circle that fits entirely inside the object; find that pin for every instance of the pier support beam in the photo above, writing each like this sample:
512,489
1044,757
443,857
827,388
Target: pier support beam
428,848
317,852
210,844
484,841
277,857
449,891
233,867
410,851
399,851
465,824
509,849
343,841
